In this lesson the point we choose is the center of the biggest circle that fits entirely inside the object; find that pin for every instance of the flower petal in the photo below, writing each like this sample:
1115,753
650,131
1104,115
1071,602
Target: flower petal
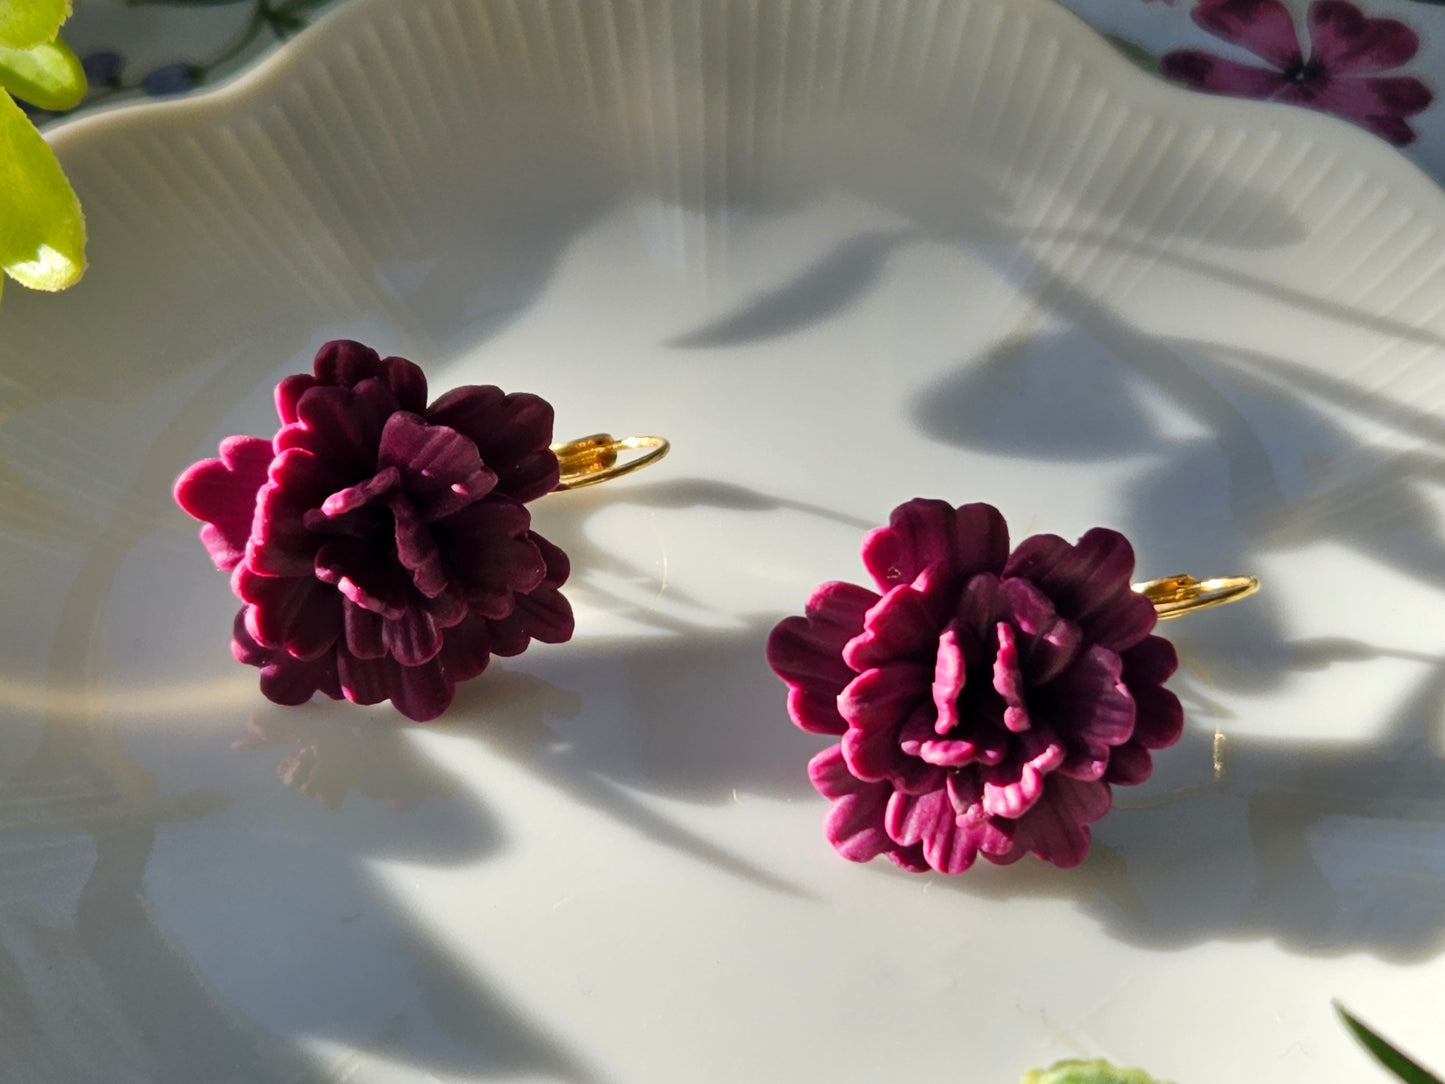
413,638
362,628
281,543
295,613
1379,104
1012,788
416,549
883,697
806,652
1049,642
341,425
930,819
489,553
1217,75
950,677
1056,829
854,824
1088,584
285,679
922,532
1090,708
1346,42
1264,27
441,470
421,693
512,433
222,492
467,649
905,623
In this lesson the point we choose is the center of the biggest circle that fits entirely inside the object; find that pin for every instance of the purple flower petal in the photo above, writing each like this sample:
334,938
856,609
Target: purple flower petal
417,550
922,532
1264,27
854,825
1056,829
342,426
295,613
222,492
985,715
441,470
950,678
285,679
281,542
1379,104
489,554
1013,787
929,819
363,631
345,363
372,547
421,693
884,696
1346,42
806,652
903,625
467,649
512,433
1218,75
1088,583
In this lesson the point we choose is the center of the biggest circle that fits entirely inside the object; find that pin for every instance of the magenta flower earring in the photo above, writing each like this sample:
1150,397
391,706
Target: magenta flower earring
381,545
986,701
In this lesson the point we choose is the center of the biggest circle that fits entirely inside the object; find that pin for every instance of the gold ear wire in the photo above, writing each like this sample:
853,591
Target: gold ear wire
1175,596
593,460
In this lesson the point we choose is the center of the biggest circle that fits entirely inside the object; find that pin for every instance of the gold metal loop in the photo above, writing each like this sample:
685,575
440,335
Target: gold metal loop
592,460
1175,596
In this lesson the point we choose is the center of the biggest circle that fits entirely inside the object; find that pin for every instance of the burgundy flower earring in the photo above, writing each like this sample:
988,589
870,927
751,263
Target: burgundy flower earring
986,701
381,546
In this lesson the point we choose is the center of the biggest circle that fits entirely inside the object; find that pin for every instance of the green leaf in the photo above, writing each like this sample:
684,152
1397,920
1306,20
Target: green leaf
24,23
1409,1071
48,75
42,231
1087,1072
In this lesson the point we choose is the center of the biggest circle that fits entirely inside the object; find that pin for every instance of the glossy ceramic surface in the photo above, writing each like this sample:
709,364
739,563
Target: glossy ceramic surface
843,254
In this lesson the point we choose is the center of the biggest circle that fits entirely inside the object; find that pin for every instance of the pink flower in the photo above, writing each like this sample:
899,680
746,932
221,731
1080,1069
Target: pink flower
1340,76
986,701
382,547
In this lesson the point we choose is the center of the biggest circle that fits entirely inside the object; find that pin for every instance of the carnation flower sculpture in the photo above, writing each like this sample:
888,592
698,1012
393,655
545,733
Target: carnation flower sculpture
382,546
986,701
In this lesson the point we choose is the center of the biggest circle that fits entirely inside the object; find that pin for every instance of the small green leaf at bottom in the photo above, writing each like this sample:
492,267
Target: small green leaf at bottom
1088,1072
1411,1072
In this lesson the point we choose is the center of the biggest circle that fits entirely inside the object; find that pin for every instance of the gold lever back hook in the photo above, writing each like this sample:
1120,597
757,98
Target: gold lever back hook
592,460
1175,596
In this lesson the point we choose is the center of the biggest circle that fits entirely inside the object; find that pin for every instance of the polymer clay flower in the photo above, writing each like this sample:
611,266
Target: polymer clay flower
987,701
1344,74
382,546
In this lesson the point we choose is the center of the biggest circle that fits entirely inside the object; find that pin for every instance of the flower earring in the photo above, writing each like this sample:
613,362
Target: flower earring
986,700
381,546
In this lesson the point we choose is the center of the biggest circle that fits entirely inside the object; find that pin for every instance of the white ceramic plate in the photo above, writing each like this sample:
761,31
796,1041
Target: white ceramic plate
843,253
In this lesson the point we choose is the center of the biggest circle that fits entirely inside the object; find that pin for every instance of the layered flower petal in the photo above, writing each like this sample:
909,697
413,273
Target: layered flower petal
988,701
807,653
966,540
378,551
222,492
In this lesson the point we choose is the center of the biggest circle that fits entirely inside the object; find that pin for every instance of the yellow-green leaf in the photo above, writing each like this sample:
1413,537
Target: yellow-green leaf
1087,1072
47,75
24,23
42,231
